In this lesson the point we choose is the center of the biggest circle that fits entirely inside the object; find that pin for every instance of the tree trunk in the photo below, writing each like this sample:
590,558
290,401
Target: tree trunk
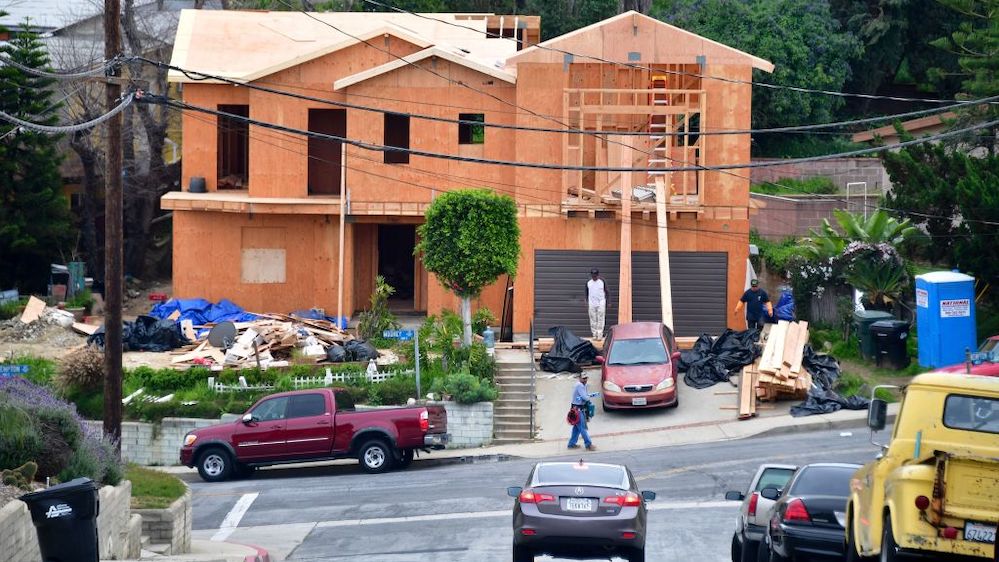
90,207
466,319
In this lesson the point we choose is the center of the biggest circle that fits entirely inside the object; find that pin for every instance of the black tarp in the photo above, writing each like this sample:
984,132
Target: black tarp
569,352
822,398
147,333
359,350
712,361
336,353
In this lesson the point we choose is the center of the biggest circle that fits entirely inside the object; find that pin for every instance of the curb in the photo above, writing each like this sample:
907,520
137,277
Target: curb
261,556
818,425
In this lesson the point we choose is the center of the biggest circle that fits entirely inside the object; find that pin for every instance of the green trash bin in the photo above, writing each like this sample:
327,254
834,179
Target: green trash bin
862,320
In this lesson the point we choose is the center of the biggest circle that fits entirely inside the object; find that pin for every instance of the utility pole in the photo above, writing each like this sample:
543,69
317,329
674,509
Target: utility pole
113,274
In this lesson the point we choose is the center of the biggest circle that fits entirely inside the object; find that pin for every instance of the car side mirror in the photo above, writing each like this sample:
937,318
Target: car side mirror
877,415
648,495
770,493
675,356
735,496
599,359
248,418
513,491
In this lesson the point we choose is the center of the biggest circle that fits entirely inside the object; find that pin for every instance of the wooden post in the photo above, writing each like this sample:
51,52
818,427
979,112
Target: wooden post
665,285
343,221
627,182
113,270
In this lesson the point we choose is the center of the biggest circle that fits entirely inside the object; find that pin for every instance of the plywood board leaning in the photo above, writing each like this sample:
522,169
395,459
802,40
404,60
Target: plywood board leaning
790,343
746,394
768,351
33,310
800,353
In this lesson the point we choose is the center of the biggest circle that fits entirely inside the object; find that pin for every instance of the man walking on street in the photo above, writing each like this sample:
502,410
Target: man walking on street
755,300
580,403
597,296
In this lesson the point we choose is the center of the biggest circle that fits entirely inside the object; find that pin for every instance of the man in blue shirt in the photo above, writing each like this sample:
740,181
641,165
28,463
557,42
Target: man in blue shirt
755,300
580,401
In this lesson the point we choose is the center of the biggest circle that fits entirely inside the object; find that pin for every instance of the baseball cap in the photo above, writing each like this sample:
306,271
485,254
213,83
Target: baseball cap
594,271
754,282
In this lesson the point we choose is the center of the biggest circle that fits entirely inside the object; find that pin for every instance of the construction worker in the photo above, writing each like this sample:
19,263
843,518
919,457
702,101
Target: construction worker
755,300
597,296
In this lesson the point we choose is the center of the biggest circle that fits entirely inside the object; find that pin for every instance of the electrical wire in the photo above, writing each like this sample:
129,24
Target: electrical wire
675,72
60,75
63,129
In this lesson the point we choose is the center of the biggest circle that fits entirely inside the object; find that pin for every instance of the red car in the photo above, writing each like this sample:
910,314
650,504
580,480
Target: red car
985,362
311,425
639,367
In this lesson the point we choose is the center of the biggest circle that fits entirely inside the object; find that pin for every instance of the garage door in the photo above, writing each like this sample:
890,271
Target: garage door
699,279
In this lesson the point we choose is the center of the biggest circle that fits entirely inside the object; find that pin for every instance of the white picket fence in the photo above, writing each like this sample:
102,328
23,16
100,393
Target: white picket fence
308,382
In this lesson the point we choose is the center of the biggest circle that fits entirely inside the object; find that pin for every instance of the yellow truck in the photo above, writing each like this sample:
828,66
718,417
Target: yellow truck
934,489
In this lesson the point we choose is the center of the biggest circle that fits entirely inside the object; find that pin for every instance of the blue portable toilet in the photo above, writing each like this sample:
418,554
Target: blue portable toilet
945,317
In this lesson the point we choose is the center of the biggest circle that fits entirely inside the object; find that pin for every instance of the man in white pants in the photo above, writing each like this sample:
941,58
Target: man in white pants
597,296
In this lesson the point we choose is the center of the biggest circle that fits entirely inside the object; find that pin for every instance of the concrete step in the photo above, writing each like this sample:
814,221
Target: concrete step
505,418
513,385
505,367
506,408
510,440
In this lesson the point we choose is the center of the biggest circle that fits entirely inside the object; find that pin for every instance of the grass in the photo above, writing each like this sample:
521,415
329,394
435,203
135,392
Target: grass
793,186
152,489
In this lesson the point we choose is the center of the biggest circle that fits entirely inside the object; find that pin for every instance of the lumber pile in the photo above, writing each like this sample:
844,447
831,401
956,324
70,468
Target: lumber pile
777,374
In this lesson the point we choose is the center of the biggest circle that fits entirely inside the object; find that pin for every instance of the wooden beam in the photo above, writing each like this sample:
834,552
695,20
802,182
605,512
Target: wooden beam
343,219
665,284
624,285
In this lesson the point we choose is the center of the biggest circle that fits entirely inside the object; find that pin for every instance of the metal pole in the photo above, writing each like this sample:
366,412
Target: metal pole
416,352
113,270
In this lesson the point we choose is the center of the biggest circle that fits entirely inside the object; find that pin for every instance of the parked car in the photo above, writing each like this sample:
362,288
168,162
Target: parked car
934,489
983,362
808,518
754,514
579,510
311,425
639,367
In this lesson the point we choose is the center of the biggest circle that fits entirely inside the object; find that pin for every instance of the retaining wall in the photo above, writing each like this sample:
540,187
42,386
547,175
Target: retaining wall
470,425
151,444
840,170
170,526
118,531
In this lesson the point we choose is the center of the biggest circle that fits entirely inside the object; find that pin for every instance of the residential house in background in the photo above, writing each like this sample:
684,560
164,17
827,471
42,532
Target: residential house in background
266,230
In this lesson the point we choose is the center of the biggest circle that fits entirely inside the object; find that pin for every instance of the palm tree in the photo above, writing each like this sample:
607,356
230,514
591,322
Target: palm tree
879,227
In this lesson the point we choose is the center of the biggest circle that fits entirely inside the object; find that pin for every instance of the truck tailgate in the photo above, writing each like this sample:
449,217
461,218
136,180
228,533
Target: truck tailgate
972,488
437,416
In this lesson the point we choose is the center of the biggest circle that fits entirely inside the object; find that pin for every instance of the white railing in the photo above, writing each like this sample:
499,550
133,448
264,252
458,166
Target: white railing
308,382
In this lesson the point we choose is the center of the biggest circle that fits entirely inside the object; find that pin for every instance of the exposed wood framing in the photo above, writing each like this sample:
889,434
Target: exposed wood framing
665,286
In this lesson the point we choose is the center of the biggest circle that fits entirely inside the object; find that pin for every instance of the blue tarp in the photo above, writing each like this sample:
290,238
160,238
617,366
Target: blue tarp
314,314
201,311
785,306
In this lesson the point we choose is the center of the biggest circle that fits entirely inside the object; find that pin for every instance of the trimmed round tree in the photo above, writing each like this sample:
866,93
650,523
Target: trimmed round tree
470,238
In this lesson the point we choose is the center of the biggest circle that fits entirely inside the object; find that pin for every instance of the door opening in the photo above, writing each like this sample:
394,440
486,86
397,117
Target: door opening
396,263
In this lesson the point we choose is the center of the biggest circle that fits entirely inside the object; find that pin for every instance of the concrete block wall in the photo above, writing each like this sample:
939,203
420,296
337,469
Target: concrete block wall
19,542
170,526
470,425
778,217
841,171
150,444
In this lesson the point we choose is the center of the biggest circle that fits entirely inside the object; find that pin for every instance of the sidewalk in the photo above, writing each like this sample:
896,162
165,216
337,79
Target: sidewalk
203,550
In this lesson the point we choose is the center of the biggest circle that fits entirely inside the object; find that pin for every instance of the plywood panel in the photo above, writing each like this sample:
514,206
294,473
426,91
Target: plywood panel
263,265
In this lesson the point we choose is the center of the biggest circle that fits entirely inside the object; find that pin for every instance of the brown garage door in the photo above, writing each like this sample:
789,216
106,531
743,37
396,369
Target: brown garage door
699,282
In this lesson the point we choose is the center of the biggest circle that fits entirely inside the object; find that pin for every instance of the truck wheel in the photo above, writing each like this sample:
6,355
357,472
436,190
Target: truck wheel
406,458
889,548
376,456
215,465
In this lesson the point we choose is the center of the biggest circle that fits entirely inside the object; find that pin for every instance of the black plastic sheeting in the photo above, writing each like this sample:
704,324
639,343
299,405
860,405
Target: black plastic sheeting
336,353
147,333
822,399
569,352
710,362
359,350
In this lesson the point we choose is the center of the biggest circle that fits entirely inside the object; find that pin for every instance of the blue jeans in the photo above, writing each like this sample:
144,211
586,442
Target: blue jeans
580,429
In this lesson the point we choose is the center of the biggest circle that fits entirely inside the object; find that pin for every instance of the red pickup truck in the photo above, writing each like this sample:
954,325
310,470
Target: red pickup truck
311,425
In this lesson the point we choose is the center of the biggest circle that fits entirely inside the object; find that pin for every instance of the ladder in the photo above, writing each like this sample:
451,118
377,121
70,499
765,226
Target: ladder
659,127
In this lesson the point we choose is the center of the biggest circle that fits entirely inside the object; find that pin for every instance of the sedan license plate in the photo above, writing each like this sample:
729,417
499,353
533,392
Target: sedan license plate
638,401
979,532
578,504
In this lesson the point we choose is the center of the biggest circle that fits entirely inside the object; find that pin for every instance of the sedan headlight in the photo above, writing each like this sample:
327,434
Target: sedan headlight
189,439
667,383
608,385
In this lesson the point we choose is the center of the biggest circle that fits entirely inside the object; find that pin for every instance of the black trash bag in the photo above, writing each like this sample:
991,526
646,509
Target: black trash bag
336,353
822,399
147,333
712,361
359,350
569,352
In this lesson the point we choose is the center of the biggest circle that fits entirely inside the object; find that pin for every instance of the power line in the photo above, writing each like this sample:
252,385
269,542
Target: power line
545,166
675,72
63,75
63,129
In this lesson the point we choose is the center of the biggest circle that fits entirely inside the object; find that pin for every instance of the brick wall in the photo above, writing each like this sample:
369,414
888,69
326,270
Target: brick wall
470,425
170,526
117,530
841,171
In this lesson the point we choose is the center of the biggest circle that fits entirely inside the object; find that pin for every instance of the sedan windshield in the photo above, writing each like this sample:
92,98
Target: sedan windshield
581,475
636,352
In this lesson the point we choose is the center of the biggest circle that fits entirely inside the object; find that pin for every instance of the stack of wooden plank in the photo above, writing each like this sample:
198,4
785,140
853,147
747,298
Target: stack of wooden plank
777,374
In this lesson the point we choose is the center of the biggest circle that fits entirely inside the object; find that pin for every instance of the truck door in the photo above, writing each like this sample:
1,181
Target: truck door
264,436
310,425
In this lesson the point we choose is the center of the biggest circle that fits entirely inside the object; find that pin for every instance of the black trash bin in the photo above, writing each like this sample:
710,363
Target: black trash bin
862,320
65,518
890,338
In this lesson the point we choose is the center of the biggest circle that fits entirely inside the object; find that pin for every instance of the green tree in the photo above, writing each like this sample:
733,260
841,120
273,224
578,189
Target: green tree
36,227
469,239
802,39
559,17
878,228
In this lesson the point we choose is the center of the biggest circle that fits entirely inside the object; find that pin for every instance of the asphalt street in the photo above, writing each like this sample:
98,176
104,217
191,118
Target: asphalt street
460,512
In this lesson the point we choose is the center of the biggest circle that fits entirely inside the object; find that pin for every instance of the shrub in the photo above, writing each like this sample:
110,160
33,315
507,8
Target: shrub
41,371
794,186
81,370
480,364
20,477
19,441
482,318
464,388
83,299
9,310
395,390
167,380
377,318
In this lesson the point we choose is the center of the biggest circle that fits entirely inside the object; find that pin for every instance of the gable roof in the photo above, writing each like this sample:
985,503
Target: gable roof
921,125
246,46
618,38
456,56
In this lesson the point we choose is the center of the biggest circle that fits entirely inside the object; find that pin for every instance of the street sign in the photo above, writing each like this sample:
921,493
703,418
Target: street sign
11,370
403,335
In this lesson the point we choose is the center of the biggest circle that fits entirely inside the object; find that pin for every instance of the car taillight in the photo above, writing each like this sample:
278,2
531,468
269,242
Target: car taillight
753,500
922,502
529,496
630,499
796,511
424,420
